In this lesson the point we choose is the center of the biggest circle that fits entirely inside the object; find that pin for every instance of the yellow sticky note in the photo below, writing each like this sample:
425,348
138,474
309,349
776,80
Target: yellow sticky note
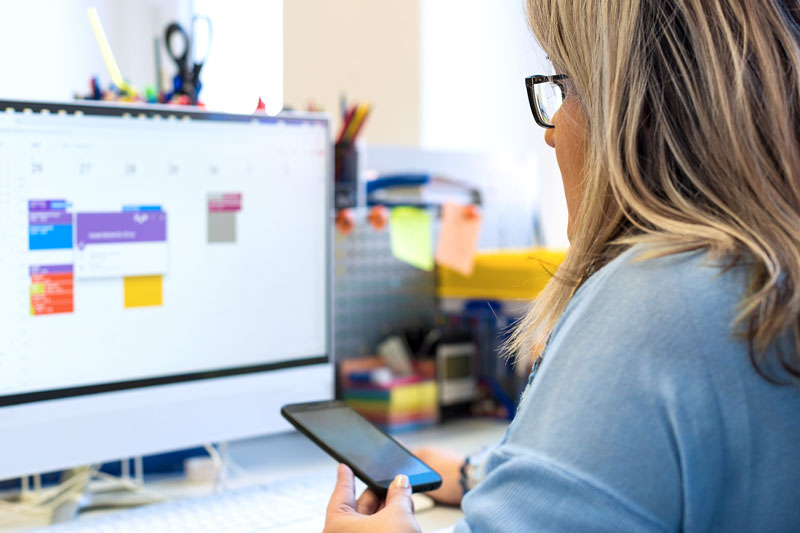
410,231
143,291
458,238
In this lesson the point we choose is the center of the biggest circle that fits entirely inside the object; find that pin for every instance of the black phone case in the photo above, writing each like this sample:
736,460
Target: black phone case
371,483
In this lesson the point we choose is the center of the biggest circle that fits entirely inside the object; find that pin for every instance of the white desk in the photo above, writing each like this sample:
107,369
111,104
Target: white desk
291,454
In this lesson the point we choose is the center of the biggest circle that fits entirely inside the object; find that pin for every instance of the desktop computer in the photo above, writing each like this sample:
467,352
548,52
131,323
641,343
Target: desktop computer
164,278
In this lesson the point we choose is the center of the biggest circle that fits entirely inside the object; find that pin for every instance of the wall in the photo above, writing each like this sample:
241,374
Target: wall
475,56
366,48
444,75
245,59
49,50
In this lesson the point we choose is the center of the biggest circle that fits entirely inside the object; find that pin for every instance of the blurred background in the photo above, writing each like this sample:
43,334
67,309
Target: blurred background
440,87
442,75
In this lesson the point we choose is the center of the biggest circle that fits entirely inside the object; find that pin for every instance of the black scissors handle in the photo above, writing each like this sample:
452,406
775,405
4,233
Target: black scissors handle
182,59
188,79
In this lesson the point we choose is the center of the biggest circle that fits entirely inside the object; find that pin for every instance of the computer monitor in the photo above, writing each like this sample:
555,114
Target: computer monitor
164,278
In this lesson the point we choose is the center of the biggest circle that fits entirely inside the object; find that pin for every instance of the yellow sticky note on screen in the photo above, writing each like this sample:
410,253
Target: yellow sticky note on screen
143,291
410,231
458,237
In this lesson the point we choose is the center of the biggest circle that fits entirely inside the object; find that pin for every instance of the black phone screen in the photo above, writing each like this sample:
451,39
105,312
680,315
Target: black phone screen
360,443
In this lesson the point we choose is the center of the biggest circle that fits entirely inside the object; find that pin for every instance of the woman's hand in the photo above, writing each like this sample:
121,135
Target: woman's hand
394,515
448,465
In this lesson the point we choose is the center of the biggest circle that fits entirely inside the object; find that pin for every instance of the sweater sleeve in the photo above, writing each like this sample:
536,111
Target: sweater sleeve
560,501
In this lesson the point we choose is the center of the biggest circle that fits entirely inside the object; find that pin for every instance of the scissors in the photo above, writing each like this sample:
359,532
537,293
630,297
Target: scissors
187,80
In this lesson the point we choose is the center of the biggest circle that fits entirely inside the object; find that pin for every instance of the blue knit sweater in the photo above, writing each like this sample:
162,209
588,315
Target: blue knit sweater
646,415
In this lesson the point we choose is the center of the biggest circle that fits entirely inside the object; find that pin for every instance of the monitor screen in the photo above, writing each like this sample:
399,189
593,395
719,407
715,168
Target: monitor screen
142,248
145,248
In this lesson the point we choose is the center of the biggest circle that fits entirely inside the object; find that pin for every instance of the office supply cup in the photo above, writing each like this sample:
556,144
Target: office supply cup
345,175
545,96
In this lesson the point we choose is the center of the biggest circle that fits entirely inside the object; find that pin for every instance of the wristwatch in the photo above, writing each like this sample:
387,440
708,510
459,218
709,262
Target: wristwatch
473,470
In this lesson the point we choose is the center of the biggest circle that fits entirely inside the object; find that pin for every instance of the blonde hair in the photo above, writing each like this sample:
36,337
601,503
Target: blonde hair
693,142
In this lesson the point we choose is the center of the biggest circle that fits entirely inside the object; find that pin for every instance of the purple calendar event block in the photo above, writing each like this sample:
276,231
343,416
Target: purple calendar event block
47,205
50,269
127,227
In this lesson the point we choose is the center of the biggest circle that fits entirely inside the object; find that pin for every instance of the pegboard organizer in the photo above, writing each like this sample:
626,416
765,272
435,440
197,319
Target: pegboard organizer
374,293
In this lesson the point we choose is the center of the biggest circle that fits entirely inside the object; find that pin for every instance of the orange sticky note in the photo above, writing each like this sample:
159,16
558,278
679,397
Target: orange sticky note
458,237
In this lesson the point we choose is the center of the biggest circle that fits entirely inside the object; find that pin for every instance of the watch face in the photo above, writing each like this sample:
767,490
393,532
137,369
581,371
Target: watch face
473,470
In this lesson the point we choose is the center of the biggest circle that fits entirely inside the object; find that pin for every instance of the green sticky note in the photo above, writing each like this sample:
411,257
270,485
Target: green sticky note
412,242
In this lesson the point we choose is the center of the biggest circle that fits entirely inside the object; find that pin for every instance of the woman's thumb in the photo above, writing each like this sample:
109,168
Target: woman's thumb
399,494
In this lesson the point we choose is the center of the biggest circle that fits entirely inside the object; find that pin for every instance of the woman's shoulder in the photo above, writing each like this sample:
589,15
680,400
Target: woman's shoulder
640,286
645,275
645,310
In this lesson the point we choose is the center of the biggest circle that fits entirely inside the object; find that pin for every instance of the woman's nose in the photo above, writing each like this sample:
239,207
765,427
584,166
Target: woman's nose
550,133
550,137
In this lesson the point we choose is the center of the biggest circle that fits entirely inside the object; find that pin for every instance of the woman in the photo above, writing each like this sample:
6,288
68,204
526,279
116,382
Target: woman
667,398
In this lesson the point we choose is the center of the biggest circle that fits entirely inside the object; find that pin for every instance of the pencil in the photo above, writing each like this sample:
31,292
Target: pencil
105,49
345,123
360,125
361,110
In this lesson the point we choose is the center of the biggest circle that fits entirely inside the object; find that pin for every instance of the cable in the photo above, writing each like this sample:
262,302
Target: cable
138,469
224,465
241,471
125,468
42,504
131,485
219,467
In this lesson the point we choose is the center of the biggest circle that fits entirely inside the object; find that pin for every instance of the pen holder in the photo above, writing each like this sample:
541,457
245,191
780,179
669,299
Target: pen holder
345,175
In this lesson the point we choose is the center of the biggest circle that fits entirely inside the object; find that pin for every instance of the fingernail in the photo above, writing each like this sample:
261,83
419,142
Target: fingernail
401,481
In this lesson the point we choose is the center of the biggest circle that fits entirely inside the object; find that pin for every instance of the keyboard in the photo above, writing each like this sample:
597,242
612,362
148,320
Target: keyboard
295,505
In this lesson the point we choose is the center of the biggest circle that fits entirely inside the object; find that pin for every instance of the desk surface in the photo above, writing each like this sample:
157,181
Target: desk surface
291,454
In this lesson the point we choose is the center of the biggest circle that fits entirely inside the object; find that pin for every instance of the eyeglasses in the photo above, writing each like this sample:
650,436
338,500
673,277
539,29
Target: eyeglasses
545,95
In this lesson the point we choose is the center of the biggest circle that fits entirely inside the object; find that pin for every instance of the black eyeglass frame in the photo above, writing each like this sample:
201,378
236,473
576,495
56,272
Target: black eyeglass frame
530,81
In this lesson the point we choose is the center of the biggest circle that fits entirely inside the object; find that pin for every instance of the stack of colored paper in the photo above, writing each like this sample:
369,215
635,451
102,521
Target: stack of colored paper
393,404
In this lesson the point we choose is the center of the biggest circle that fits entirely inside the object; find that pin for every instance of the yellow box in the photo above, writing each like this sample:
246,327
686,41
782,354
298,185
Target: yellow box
506,275
144,291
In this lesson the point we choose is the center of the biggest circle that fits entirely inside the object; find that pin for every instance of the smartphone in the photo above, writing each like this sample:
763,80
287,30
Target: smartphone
372,455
